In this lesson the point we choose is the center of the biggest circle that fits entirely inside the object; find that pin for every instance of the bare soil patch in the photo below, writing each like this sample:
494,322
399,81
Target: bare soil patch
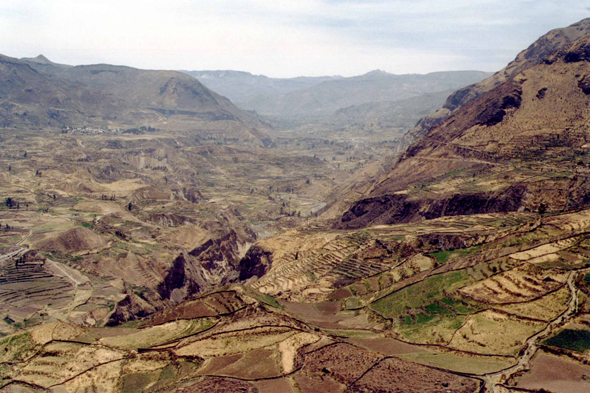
395,375
220,385
256,364
274,386
556,374
386,346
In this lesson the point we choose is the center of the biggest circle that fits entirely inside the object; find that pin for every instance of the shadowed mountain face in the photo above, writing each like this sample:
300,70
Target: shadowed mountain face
388,114
520,144
39,92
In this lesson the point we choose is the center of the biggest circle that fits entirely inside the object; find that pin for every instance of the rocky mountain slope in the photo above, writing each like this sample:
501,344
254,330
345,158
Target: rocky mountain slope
521,144
533,55
29,97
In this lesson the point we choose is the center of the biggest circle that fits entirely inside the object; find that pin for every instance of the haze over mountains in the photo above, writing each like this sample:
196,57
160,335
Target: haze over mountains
39,92
310,98
240,86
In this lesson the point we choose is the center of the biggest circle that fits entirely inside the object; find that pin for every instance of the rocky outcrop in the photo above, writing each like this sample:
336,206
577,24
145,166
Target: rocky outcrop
496,110
130,308
208,266
584,84
168,220
556,195
574,53
256,263
192,194
487,110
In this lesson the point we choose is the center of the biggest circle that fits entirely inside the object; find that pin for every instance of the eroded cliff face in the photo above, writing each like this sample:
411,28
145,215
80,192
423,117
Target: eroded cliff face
256,263
211,265
133,307
208,266
398,209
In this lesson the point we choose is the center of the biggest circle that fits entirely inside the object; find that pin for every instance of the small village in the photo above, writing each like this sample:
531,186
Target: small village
91,130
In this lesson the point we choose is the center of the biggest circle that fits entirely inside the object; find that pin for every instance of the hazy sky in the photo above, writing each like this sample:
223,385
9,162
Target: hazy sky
283,38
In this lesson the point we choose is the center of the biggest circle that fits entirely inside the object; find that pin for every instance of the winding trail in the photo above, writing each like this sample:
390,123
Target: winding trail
25,237
10,255
493,381
82,293
62,270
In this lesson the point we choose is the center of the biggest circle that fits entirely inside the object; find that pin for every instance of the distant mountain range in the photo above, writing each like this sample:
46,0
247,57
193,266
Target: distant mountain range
322,96
38,92
242,87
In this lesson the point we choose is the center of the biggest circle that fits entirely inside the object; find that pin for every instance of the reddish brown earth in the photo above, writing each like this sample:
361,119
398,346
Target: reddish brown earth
274,386
321,314
218,385
394,375
208,306
256,364
219,363
556,374
385,346
76,239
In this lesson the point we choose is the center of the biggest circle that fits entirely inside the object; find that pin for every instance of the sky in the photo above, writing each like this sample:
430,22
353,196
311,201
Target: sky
283,38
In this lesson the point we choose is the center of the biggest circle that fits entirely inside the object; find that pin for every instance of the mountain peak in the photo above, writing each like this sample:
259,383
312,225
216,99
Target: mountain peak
43,59
377,73
39,59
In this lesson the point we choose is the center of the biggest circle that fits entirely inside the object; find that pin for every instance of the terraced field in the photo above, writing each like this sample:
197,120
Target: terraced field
460,301
27,289
474,294
247,347
313,274
520,284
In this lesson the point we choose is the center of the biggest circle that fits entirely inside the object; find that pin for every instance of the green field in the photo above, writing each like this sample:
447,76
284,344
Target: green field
574,340
423,298
444,256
